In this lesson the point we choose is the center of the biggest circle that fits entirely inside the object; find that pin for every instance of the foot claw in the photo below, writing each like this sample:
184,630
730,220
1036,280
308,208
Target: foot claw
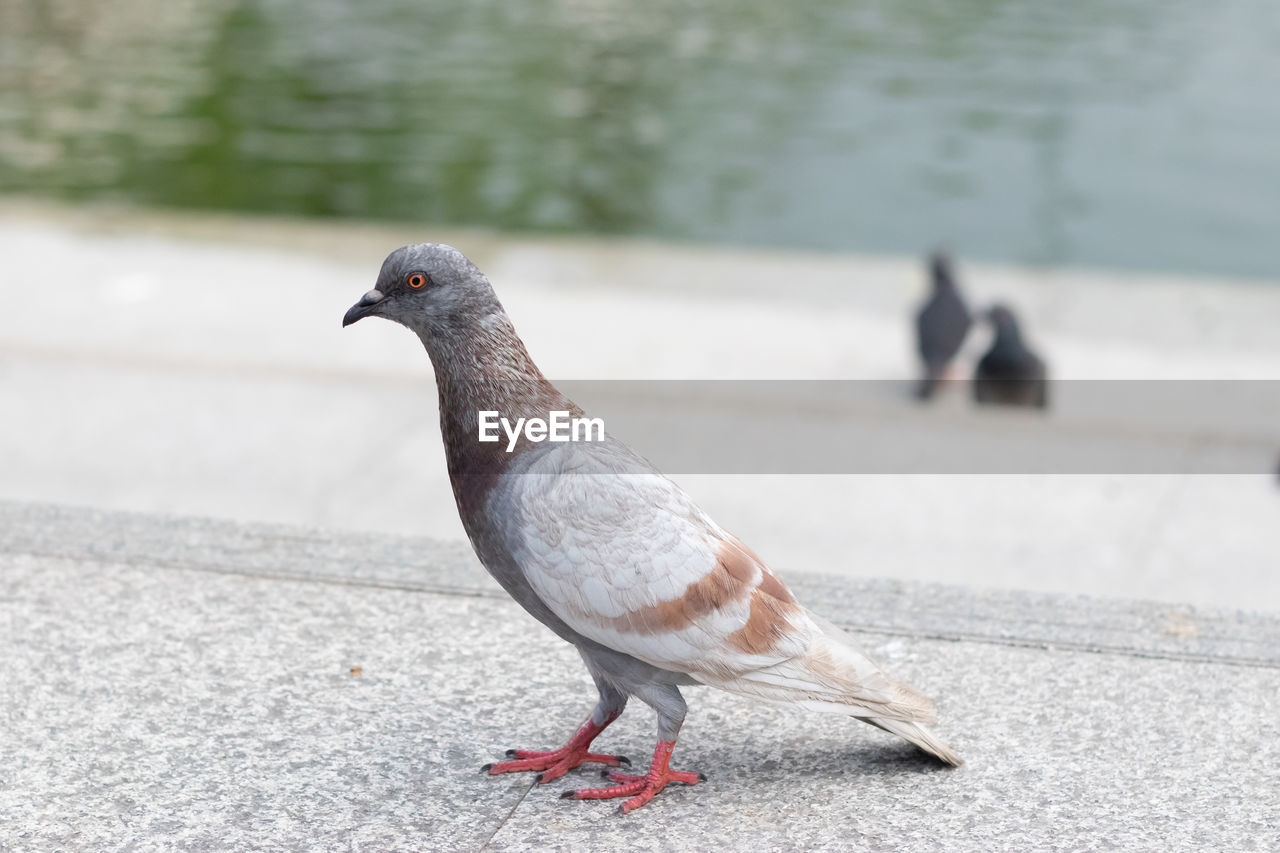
567,795
511,753
702,777
486,768
622,759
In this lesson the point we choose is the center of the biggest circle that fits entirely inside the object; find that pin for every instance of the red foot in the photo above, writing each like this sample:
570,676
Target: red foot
641,789
557,762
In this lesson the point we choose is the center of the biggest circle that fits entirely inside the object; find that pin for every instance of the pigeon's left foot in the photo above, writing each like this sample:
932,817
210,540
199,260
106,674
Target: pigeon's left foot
641,789
557,762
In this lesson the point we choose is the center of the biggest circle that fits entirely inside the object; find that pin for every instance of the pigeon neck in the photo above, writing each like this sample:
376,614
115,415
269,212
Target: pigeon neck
485,364
484,367
1007,335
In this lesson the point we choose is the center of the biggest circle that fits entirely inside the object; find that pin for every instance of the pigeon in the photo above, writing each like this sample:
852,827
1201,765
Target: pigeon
941,325
1009,374
612,556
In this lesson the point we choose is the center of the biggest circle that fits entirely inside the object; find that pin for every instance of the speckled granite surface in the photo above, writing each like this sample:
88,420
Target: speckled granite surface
179,684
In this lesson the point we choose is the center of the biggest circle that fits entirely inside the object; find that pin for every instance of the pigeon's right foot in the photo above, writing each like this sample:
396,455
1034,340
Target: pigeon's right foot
639,789
557,762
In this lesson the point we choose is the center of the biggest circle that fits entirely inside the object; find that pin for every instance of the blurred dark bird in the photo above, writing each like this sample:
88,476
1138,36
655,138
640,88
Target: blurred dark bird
1009,374
941,325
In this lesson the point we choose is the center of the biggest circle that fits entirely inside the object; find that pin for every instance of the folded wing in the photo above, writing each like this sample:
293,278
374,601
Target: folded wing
624,557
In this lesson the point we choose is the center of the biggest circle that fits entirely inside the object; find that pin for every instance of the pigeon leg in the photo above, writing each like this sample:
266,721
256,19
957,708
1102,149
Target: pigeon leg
555,763
667,701
640,789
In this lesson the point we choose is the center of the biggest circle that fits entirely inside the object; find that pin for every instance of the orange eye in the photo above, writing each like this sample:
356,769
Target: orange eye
416,280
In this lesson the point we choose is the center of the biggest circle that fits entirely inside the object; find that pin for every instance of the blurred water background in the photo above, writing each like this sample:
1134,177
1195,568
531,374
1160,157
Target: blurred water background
1111,133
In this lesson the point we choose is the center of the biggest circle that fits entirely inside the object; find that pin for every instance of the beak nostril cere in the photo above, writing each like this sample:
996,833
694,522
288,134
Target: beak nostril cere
363,308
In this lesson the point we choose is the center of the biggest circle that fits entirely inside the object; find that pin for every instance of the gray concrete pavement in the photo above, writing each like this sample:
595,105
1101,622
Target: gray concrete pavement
191,364
175,683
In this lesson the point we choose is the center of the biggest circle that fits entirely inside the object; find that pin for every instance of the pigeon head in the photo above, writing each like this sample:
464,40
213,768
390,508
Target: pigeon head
940,270
429,287
1005,323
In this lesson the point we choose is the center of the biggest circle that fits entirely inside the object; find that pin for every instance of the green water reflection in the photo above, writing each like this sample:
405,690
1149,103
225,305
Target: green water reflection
1134,133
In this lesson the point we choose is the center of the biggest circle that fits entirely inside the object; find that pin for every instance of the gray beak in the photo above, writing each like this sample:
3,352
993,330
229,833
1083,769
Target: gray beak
363,308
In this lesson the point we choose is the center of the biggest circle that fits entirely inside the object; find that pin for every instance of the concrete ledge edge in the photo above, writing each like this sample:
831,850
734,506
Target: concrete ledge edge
871,605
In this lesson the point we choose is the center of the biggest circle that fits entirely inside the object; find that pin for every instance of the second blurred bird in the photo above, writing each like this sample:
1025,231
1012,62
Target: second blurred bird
1009,373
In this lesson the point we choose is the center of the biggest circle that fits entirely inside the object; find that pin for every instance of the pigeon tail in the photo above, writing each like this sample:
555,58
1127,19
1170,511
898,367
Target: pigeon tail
830,676
915,731
919,735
